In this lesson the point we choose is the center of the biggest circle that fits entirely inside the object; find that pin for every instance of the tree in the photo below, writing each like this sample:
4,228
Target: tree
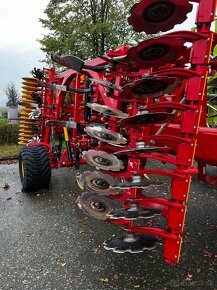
87,28
12,95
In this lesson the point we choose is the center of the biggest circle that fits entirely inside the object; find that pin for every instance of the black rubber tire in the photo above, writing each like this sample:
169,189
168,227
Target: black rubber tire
34,168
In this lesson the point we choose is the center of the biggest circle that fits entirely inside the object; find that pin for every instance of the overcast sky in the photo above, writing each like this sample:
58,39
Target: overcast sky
20,29
19,49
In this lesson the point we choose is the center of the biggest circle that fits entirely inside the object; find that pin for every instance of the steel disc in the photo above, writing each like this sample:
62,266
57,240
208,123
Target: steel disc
98,182
132,243
103,160
147,149
106,110
138,184
95,205
146,119
134,212
156,52
152,16
152,87
105,135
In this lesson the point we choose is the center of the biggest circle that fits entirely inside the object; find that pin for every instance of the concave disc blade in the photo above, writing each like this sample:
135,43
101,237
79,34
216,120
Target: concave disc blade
105,135
134,212
139,184
147,149
132,243
156,52
146,119
151,87
152,16
98,182
106,110
95,205
103,160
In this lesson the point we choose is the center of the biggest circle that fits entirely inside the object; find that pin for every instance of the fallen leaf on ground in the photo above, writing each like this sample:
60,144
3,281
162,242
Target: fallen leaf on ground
63,264
189,277
25,268
104,280
96,250
207,254
6,186
20,202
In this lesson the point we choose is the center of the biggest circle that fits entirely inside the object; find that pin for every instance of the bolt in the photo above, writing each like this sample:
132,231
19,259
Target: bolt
184,195
176,256
177,242
180,225
189,160
182,210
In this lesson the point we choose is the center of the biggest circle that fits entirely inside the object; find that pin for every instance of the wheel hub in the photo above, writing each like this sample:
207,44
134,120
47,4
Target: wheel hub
159,12
154,51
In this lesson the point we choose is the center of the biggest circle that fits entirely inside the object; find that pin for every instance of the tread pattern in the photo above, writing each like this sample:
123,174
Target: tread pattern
37,168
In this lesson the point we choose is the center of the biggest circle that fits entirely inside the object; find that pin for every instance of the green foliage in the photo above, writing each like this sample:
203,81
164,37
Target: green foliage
9,134
3,112
215,48
3,121
87,28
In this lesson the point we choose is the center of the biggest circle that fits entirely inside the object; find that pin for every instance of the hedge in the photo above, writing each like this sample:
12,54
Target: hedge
9,134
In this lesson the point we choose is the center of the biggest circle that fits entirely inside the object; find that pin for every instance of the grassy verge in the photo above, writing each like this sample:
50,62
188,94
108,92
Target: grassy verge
9,151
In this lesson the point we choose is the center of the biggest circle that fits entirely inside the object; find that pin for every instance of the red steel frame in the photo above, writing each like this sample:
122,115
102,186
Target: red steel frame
181,137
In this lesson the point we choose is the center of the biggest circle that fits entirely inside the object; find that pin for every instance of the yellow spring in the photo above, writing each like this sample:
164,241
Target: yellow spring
25,137
26,110
22,143
24,127
29,86
25,131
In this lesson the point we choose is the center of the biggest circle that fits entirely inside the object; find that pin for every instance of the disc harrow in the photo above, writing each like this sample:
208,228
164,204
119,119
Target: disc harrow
119,112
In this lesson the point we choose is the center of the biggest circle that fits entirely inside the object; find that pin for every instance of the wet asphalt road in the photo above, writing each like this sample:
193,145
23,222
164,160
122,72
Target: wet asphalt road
47,243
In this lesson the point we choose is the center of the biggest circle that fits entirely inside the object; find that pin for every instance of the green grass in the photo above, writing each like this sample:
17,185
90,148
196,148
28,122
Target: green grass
9,151
3,121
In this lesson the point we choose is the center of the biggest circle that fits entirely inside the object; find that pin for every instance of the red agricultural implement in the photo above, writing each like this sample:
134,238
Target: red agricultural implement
121,110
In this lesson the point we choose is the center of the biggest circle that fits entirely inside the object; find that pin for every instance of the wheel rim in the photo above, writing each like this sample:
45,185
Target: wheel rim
22,168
